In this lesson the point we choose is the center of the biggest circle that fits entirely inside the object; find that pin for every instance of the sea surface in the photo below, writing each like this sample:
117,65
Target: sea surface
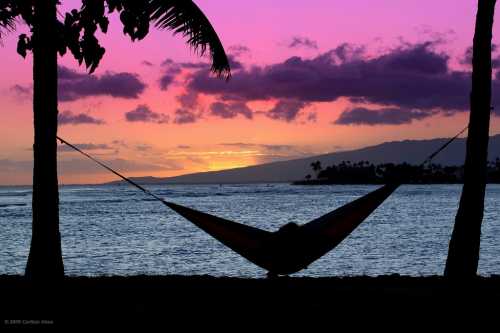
117,230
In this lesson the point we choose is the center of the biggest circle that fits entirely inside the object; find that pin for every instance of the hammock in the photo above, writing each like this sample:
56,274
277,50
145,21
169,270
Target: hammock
293,247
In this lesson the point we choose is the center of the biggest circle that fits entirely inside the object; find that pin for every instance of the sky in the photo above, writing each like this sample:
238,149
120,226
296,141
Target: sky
308,77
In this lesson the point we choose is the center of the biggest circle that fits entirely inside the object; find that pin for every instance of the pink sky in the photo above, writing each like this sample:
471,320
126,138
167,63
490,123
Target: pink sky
266,29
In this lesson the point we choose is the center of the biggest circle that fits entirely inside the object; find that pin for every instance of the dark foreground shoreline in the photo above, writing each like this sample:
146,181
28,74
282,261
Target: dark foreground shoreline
221,302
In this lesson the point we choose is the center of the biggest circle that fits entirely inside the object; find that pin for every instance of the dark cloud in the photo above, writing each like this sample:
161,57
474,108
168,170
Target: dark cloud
195,65
286,110
185,116
230,110
467,57
142,113
188,100
172,69
409,77
64,73
363,116
73,85
85,146
183,147
70,118
345,52
147,63
234,63
166,80
304,42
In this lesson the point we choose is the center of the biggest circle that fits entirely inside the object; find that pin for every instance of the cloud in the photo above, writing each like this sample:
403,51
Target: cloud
84,166
120,143
7,165
183,147
265,153
238,50
73,85
269,147
22,91
70,118
298,42
143,147
147,63
188,100
388,116
230,110
142,113
185,116
166,80
312,117
85,146
412,76
286,110
171,71
467,57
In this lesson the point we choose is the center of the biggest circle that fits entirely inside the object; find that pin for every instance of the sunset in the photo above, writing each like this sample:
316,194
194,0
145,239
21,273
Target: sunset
164,115
194,162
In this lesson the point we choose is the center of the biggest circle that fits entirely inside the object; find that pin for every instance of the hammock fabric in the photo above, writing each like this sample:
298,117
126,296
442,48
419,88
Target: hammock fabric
293,247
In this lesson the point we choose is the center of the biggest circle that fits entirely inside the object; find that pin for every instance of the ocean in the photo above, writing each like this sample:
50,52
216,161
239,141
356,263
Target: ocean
118,230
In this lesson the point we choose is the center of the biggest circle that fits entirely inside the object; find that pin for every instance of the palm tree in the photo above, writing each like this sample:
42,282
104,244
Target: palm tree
316,166
463,254
77,33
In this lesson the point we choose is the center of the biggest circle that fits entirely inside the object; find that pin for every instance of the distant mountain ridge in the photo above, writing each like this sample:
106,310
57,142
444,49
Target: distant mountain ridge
410,151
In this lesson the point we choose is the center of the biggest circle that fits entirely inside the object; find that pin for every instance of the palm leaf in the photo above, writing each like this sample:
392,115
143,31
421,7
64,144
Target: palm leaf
7,18
184,17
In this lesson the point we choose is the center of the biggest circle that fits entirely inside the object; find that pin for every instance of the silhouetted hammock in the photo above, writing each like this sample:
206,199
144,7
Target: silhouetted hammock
293,247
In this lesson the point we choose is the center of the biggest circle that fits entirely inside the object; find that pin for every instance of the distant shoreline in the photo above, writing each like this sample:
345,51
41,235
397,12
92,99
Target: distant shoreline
327,182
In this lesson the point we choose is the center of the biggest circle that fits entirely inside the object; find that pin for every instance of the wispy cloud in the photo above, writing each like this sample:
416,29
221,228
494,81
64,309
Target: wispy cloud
298,42
70,118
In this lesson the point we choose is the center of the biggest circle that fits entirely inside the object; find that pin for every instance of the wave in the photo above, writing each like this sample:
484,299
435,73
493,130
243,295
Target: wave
15,194
12,205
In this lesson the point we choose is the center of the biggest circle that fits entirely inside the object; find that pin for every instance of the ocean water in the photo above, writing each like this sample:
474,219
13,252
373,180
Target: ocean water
117,230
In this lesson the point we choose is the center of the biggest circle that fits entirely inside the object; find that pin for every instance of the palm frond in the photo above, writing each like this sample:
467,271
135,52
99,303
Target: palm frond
184,17
7,18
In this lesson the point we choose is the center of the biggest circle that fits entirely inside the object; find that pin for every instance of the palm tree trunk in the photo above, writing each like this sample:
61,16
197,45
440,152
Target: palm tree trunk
463,254
45,257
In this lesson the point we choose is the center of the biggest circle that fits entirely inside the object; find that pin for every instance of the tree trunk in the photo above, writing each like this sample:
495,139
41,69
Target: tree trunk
45,257
463,254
